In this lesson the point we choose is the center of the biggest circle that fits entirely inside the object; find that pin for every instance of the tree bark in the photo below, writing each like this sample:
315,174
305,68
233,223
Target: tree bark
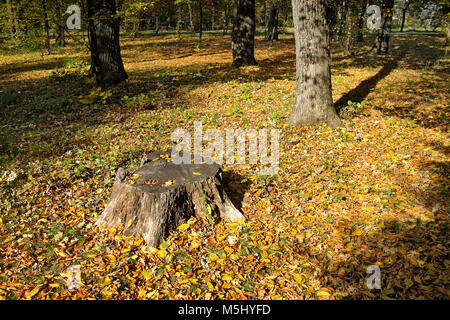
342,17
213,15
136,25
159,196
59,28
404,11
226,18
271,19
362,13
313,101
10,10
275,29
384,33
157,25
104,27
191,22
46,28
200,24
243,34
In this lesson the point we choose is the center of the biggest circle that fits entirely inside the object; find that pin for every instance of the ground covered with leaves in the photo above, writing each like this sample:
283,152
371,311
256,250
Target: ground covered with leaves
372,192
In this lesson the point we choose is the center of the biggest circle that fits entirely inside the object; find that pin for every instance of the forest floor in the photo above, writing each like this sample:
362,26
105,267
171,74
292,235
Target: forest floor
372,192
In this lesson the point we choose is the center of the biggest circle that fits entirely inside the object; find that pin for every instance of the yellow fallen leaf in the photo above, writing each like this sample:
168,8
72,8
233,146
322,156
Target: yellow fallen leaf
227,277
196,173
147,275
162,253
183,227
111,258
195,244
130,223
213,257
234,256
323,294
298,278
141,293
33,292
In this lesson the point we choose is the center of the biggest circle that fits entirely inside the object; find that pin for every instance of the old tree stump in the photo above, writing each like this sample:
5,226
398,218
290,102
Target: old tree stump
160,195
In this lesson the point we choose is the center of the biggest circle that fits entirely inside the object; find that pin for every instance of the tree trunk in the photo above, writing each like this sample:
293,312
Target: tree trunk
46,28
404,11
160,195
243,34
448,34
10,10
384,33
213,16
157,25
201,24
360,37
191,22
342,17
227,20
313,101
275,29
136,26
104,27
271,17
59,28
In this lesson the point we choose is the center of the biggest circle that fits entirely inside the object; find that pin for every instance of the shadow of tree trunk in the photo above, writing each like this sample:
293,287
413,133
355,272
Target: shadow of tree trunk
359,93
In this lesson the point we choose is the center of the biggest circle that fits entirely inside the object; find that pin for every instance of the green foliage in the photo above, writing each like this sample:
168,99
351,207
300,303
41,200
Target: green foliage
351,109
138,102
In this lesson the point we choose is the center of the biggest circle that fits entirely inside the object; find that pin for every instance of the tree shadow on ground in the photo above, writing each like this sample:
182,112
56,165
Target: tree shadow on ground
410,247
6,70
235,188
359,93
401,99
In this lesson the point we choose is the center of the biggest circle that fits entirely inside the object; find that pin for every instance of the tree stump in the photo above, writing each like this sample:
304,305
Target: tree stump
160,195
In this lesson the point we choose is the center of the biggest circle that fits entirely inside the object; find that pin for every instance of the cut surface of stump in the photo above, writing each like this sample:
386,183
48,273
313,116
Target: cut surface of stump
161,195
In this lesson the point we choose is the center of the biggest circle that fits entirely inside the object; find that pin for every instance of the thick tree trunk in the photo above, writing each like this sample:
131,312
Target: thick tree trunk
59,28
46,28
104,27
385,33
243,36
159,196
313,100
